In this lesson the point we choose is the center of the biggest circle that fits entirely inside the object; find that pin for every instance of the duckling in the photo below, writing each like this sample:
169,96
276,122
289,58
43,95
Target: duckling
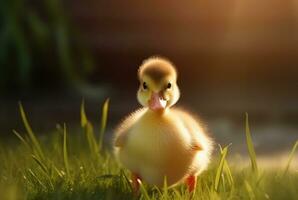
159,141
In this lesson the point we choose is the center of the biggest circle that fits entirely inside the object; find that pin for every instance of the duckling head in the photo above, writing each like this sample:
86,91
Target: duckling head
158,84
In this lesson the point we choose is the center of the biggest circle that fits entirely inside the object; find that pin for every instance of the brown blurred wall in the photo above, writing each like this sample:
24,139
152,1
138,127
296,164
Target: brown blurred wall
217,43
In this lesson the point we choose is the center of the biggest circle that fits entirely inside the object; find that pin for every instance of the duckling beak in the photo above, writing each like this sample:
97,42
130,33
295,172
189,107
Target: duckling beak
157,102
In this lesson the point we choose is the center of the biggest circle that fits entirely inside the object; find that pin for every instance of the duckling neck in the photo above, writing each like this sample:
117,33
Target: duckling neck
159,113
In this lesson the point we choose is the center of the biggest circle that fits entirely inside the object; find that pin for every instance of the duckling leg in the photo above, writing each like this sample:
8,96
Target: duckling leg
136,182
191,181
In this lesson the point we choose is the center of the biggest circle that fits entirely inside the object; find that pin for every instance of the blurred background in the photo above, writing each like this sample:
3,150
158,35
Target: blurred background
232,56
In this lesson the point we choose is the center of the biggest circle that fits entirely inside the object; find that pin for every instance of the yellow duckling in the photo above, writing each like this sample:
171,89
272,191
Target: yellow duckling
158,141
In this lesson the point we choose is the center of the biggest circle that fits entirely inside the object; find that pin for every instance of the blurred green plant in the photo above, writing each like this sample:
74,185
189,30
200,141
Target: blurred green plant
38,43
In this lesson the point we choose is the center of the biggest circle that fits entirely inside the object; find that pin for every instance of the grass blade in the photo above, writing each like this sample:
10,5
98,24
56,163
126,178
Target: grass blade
34,140
127,182
104,117
36,178
144,191
227,169
88,130
84,119
249,190
220,168
165,188
57,171
290,158
44,169
228,172
91,138
22,139
250,146
65,155
39,162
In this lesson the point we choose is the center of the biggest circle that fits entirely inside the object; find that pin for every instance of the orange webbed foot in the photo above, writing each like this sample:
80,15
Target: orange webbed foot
191,182
135,183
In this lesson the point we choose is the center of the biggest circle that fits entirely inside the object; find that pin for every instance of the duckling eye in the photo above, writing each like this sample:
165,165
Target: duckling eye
169,85
145,87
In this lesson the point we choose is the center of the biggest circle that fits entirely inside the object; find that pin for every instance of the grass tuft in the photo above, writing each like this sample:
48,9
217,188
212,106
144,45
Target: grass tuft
220,168
65,168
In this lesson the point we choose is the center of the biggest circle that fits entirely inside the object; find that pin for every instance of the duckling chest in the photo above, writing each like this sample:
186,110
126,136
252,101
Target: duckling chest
157,141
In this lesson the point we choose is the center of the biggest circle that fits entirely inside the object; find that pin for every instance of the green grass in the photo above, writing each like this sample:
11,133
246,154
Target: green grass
64,165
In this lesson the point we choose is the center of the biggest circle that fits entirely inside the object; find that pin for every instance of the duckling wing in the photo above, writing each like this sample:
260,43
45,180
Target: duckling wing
195,129
123,129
